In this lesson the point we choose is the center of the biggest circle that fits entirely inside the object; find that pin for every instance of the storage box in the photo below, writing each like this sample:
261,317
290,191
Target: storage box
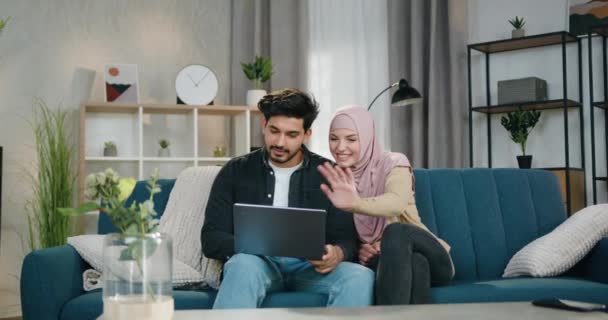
522,90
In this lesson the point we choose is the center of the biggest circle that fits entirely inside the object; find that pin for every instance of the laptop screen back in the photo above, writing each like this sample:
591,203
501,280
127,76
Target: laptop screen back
279,231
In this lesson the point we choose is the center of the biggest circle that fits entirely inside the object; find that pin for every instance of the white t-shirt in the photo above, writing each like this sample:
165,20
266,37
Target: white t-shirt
281,184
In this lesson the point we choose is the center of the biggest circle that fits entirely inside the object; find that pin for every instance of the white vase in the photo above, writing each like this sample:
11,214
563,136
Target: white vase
110,151
254,96
518,33
164,152
137,277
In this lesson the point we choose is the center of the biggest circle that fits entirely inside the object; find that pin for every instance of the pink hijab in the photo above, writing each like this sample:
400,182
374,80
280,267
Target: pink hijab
371,169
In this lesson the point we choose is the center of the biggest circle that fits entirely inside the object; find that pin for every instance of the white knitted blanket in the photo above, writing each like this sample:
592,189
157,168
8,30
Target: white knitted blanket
184,217
182,220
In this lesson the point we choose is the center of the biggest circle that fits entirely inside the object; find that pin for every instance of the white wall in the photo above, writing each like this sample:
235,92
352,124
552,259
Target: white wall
50,49
488,21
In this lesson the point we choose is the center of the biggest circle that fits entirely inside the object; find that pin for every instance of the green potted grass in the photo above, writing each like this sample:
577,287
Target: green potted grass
519,124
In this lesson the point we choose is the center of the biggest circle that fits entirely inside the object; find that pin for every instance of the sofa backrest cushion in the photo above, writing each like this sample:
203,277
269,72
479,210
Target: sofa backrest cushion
140,194
487,215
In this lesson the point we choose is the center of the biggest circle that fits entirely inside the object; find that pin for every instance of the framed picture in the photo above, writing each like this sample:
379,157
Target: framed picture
121,83
584,14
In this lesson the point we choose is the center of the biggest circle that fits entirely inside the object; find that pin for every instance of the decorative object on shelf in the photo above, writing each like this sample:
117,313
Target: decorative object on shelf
404,96
219,151
585,14
522,90
258,71
519,124
137,261
164,150
109,149
121,83
53,179
196,84
518,25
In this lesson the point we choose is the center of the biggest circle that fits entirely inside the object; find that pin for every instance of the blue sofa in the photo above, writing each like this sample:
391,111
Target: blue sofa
486,215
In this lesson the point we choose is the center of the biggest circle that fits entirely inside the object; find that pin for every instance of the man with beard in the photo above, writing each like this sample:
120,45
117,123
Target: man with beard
283,173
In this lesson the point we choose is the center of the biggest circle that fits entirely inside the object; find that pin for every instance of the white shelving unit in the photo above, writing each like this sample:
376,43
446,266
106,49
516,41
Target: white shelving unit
193,133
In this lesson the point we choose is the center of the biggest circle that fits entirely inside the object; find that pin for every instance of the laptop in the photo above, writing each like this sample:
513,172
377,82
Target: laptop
279,231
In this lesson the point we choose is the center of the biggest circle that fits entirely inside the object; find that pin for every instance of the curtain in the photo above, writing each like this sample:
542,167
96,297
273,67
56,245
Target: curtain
347,62
274,29
427,46
347,51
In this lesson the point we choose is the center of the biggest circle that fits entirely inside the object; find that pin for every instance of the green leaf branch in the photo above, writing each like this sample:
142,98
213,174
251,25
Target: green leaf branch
133,222
258,71
517,22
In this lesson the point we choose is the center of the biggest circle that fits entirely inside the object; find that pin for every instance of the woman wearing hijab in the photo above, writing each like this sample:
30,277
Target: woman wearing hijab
378,187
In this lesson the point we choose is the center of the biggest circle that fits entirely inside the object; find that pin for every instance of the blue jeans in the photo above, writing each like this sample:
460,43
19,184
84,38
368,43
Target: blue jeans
249,278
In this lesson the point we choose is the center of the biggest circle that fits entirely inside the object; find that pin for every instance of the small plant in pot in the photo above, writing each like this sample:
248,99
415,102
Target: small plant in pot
109,149
164,150
258,71
519,124
518,25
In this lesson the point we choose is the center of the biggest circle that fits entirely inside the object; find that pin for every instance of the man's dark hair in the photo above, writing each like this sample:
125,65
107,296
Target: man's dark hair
291,103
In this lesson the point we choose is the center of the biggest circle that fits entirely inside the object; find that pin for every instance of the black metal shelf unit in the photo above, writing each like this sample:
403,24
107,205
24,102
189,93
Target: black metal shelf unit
561,38
602,31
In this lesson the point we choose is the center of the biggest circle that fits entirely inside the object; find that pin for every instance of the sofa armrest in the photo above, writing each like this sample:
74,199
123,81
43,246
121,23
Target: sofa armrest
49,279
595,264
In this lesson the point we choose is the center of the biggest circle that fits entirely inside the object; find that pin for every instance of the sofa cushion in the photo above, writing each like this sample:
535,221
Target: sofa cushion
562,248
521,289
90,248
90,306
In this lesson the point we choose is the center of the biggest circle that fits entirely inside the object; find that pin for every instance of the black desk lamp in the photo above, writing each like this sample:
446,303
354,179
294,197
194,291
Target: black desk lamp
404,96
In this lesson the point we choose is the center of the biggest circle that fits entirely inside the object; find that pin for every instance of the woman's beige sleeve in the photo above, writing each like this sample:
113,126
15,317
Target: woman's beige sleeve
397,196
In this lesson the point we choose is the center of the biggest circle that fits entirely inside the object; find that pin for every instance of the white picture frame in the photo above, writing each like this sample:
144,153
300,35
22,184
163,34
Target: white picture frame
121,83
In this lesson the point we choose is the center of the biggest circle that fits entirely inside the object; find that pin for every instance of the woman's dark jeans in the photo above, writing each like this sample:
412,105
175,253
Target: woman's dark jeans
411,260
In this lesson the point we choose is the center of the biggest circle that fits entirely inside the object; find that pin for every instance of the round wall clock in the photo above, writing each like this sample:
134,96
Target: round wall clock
196,84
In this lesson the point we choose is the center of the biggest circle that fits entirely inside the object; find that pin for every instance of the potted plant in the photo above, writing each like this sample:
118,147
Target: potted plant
519,124
164,150
219,151
518,25
137,260
109,149
259,71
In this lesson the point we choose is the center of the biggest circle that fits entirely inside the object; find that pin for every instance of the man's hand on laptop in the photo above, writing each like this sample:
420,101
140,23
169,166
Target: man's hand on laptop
333,255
